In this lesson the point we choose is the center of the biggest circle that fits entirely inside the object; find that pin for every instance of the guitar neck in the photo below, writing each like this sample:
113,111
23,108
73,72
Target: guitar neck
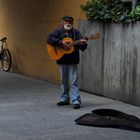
91,37
76,42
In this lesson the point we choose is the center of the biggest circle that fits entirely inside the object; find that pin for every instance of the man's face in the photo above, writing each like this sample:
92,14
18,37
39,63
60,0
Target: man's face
67,24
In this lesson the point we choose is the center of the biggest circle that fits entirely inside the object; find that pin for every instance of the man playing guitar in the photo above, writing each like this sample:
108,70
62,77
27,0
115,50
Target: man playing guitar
68,62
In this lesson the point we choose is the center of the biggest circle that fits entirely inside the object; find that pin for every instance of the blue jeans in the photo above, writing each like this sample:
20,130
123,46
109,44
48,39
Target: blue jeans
69,83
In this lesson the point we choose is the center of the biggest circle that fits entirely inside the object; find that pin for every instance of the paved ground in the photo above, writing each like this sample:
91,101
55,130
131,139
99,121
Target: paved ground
28,111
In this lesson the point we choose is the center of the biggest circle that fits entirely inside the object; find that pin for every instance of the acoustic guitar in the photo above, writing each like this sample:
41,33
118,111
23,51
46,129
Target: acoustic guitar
56,52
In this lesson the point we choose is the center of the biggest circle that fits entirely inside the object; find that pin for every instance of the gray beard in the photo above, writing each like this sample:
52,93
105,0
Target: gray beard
68,27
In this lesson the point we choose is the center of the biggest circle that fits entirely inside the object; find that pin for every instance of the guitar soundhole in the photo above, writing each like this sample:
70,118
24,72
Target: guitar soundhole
68,42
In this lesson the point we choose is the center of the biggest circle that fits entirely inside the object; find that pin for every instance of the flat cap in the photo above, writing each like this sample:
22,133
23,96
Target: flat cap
68,18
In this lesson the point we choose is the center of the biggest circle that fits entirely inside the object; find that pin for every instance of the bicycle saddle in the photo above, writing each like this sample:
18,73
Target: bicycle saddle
3,39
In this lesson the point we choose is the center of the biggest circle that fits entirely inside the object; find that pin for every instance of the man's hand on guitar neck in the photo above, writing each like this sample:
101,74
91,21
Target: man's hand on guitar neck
82,41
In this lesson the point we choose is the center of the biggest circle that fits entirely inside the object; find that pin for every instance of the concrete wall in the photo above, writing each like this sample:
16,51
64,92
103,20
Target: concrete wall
111,65
26,24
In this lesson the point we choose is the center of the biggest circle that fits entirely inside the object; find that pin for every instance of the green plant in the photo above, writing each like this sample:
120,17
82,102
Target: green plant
112,10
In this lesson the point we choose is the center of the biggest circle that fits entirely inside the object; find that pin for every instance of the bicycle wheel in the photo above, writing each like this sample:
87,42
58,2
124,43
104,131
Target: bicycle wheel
6,60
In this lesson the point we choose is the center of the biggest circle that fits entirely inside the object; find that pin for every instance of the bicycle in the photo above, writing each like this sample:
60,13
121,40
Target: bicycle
5,55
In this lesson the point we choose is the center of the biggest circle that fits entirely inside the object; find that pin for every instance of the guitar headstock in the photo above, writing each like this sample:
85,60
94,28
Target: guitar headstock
94,36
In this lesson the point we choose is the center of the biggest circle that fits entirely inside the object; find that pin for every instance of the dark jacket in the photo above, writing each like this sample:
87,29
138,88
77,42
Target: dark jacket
58,35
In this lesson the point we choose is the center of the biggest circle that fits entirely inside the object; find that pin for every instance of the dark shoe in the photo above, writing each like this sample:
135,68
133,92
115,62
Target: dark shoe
76,106
61,103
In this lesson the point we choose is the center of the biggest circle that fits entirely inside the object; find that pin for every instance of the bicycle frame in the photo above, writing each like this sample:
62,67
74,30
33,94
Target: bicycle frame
5,56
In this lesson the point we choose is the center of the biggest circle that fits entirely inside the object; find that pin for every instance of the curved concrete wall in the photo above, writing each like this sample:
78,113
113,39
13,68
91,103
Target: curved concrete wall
26,24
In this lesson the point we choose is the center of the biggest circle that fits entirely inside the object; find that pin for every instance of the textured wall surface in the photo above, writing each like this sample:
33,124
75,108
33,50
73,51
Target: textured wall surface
111,65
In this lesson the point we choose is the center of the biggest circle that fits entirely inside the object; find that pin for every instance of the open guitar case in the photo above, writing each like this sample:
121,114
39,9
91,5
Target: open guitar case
110,118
